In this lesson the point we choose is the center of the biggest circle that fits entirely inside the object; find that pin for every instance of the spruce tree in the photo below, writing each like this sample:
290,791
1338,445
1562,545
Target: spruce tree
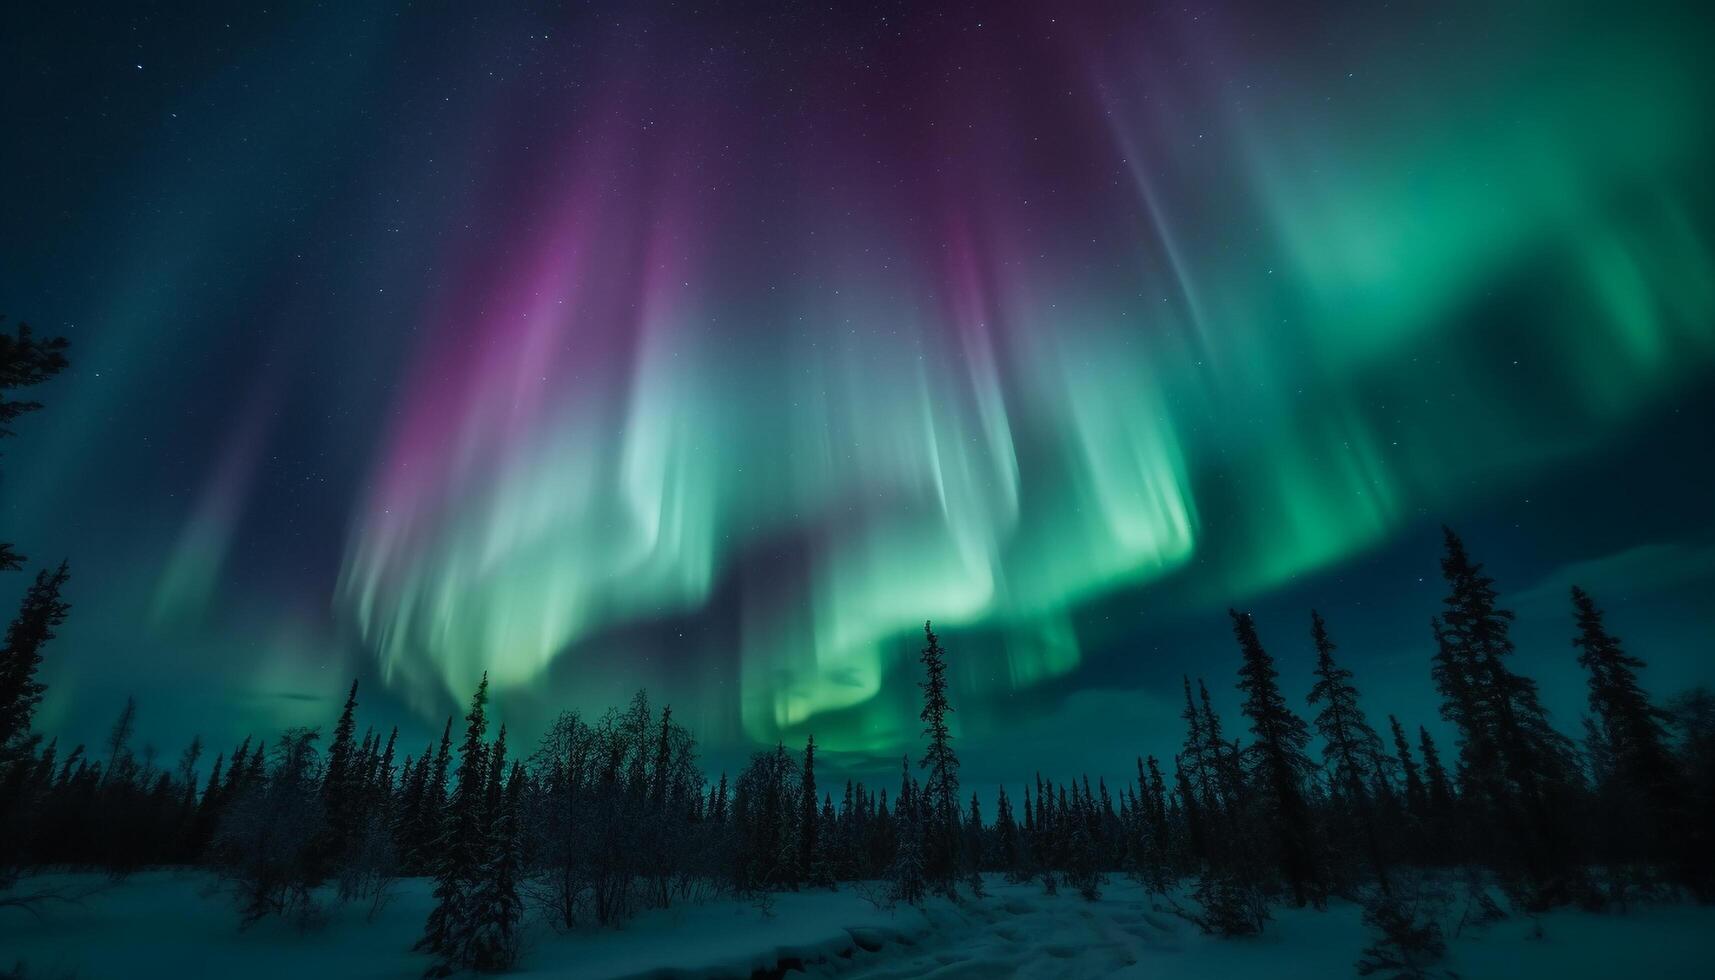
1059,817
973,849
1351,750
1158,876
1515,767
1107,821
1416,798
1694,727
1006,834
659,772
941,803
1192,813
809,829
494,785
338,769
207,811
187,769
25,360
235,766
1194,770
339,780
413,779
823,871
1436,781
1651,792
119,745
1079,846
1229,811
431,808
41,612
384,773
906,878
1027,839
1441,828
496,908
783,815
462,850
253,771
1278,764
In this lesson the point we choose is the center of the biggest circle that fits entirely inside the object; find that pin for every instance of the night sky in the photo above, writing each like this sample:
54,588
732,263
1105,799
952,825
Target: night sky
713,348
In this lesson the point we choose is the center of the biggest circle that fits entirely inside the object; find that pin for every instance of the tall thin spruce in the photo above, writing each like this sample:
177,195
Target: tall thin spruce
941,785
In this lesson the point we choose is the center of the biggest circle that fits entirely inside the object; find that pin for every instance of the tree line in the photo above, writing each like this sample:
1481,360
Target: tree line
612,814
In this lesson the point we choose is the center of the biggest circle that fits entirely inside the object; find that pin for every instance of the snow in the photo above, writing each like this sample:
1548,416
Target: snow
177,924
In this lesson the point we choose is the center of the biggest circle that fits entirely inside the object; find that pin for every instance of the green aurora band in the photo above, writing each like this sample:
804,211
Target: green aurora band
1297,324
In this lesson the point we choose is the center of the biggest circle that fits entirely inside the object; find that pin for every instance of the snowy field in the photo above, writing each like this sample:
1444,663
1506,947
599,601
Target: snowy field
165,924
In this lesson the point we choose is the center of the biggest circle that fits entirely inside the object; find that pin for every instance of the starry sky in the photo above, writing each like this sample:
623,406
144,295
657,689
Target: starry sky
712,348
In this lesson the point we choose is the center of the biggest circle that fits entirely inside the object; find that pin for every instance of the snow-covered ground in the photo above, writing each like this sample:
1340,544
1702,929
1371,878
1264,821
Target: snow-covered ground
163,924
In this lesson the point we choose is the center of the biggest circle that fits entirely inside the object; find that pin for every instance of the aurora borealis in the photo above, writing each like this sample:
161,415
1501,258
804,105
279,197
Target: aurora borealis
715,348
